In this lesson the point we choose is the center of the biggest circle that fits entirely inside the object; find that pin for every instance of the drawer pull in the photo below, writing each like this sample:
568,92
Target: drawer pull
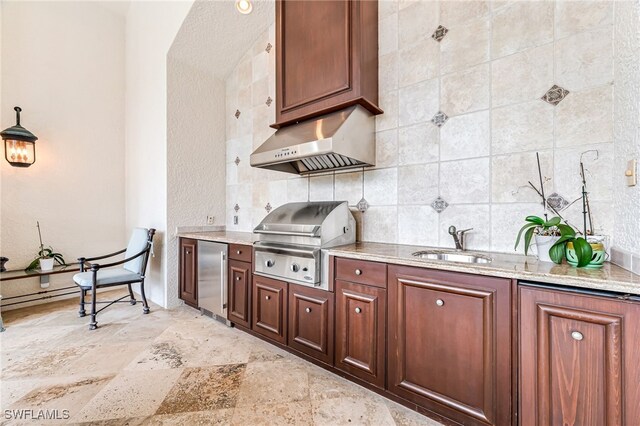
268,297
188,252
358,272
440,302
238,278
358,310
307,310
238,252
576,335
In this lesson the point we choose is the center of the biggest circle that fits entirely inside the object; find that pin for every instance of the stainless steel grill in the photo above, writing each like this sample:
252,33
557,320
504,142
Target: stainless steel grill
292,240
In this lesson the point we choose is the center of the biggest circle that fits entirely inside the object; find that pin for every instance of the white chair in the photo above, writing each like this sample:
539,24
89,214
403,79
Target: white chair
127,271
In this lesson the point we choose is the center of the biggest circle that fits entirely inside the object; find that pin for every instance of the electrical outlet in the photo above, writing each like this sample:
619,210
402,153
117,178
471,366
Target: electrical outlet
235,220
632,173
210,220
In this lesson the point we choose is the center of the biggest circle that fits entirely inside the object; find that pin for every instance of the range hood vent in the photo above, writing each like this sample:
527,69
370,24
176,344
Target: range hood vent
339,140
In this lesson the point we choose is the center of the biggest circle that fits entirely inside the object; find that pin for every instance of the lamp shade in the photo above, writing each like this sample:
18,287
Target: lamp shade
19,144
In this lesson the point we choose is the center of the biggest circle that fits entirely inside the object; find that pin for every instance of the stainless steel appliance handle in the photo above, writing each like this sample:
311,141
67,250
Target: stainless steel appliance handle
283,250
223,278
294,233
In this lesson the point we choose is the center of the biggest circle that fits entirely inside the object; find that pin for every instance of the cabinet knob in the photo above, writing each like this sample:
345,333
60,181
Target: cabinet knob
307,310
440,302
269,263
238,252
238,278
188,252
576,335
268,297
358,310
358,272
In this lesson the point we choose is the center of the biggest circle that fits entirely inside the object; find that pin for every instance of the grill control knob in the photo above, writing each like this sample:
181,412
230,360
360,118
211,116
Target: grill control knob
269,263
295,267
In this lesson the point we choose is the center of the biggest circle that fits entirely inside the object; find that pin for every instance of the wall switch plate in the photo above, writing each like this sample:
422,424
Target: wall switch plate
235,220
632,173
210,220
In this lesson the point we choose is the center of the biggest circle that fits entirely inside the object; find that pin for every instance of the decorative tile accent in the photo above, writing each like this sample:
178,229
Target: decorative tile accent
555,95
439,204
268,48
439,33
269,101
237,114
268,207
237,160
363,205
440,118
236,208
557,201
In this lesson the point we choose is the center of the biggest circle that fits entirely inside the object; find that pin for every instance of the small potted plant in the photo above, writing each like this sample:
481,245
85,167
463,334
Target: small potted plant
546,232
46,256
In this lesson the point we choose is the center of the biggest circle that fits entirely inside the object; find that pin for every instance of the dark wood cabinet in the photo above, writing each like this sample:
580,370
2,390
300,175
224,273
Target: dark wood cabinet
311,322
270,308
449,343
239,300
579,359
188,271
361,331
326,57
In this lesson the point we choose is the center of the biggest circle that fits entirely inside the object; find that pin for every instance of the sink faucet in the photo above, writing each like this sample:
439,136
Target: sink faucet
458,237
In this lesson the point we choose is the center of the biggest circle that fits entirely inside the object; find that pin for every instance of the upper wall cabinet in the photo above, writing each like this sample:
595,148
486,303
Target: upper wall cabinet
327,58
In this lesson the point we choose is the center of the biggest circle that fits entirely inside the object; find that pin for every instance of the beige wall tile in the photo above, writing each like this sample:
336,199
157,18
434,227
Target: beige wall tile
465,91
465,181
418,62
297,189
389,104
597,167
476,216
348,186
260,65
602,219
575,16
521,25
386,8
278,192
511,173
416,22
388,34
321,188
465,45
585,117
381,187
417,225
381,224
522,127
454,11
522,77
388,72
418,144
585,60
417,184
465,136
506,220
418,103
387,148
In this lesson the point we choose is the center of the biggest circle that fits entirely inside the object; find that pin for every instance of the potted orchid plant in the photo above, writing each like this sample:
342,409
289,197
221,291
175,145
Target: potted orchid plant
46,256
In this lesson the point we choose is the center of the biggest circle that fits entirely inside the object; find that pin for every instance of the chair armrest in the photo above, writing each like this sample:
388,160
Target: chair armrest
84,261
96,266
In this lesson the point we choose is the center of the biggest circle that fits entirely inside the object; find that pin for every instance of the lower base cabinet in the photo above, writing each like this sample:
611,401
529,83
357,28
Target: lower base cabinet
579,359
360,331
449,345
239,293
311,322
270,308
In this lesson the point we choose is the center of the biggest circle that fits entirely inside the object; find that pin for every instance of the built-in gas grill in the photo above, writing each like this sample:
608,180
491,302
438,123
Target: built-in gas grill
292,240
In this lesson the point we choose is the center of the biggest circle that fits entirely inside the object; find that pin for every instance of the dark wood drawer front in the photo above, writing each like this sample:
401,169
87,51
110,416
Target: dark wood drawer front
270,308
311,322
360,331
239,304
363,272
240,252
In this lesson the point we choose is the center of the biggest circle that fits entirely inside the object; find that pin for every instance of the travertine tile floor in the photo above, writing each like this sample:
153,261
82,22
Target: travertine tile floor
170,367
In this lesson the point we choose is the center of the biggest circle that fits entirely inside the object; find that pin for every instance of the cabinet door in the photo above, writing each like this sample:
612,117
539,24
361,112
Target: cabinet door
239,307
450,343
311,322
188,278
360,331
269,308
579,359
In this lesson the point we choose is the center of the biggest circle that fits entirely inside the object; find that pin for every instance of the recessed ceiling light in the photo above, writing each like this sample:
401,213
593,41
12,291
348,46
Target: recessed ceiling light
244,6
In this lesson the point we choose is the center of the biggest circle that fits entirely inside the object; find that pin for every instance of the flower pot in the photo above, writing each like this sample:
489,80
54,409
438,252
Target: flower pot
543,244
597,258
46,264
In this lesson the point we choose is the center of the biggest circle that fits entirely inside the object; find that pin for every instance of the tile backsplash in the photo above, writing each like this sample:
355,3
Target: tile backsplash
471,90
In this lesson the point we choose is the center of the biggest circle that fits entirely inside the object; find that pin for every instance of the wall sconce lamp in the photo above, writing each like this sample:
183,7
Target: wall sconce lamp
244,6
19,144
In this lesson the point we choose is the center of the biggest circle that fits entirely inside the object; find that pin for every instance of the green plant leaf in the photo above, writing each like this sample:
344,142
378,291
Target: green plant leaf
566,230
554,221
524,228
527,240
534,219
583,251
556,252
33,265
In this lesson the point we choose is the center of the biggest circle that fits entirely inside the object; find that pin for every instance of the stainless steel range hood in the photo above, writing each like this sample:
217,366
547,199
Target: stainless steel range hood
340,140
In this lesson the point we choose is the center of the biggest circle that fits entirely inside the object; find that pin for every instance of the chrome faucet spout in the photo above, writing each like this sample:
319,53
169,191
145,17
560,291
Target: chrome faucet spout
458,237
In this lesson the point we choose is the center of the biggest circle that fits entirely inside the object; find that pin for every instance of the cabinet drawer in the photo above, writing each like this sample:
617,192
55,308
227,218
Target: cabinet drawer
240,252
363,272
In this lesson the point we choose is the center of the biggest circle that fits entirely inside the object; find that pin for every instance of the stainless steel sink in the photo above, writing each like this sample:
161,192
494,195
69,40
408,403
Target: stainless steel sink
452,256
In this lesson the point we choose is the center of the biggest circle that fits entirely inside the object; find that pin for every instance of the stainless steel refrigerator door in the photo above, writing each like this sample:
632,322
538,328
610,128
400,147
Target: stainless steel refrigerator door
212,277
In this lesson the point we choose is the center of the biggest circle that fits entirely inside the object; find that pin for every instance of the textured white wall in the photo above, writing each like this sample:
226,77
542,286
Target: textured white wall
627,123
195,156
150,30
63,63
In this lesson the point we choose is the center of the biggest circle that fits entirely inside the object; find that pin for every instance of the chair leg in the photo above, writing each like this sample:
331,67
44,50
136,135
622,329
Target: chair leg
133,299
93,324
144,299
82,312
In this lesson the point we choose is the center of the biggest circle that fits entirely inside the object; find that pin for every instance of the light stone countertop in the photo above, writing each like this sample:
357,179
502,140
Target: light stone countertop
526,268
246,238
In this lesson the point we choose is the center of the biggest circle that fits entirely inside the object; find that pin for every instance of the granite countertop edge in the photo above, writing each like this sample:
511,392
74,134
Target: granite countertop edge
229,237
